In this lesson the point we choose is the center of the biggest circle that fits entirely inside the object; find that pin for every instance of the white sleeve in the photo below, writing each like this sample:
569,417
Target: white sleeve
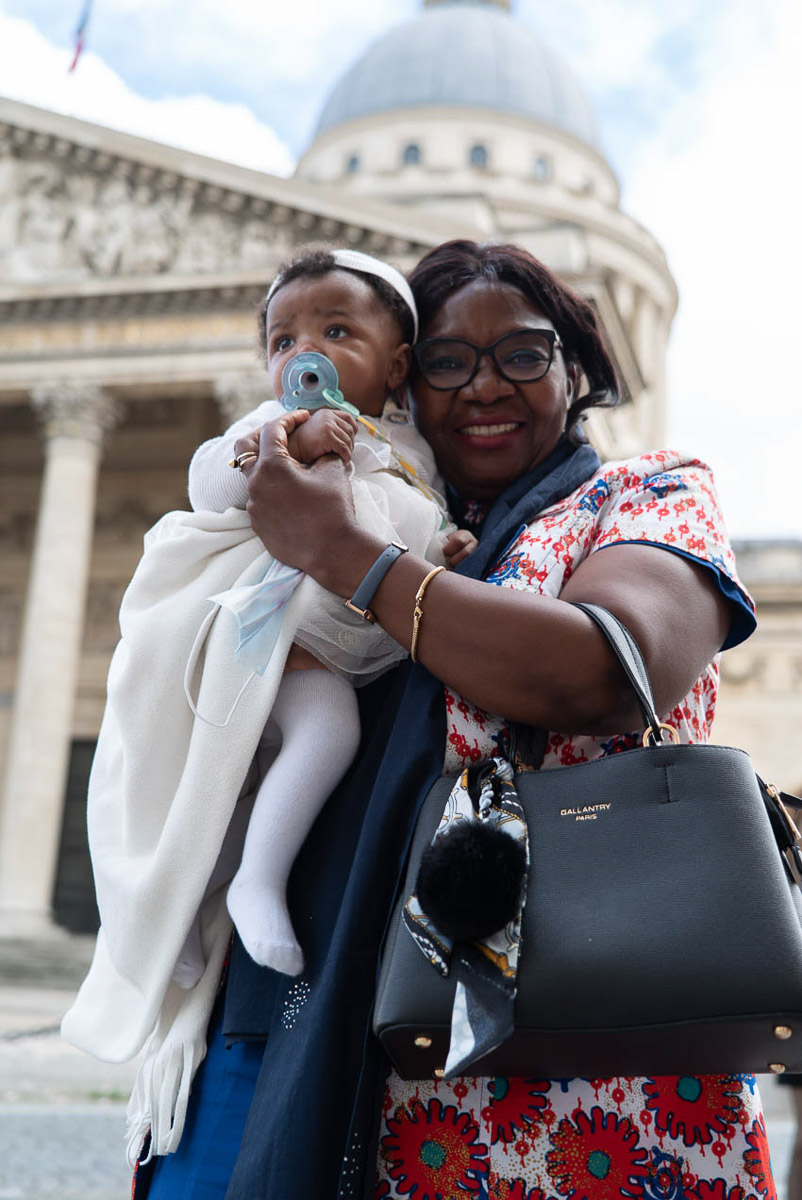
213,485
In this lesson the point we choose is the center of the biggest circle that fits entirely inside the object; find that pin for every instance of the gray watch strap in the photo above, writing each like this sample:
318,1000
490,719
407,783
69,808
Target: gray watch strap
367,589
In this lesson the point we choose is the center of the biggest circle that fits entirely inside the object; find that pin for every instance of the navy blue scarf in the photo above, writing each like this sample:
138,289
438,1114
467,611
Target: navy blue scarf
317,1097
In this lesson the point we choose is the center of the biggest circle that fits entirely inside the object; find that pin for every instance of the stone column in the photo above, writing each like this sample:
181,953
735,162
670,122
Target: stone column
75,415
237,394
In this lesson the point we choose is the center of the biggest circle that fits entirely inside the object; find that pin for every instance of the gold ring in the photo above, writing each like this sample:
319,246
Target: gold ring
242,458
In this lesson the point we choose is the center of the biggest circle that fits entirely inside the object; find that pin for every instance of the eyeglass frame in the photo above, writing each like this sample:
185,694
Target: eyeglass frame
551,336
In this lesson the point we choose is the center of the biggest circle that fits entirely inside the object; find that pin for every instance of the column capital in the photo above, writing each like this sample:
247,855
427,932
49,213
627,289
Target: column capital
239,393
75,408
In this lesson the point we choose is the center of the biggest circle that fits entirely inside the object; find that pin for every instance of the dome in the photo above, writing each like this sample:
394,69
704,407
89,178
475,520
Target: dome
462,53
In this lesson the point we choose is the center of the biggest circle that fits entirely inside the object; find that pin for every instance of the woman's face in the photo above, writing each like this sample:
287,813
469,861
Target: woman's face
488,433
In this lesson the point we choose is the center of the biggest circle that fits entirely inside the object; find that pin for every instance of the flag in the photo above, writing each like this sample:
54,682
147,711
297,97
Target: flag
79,34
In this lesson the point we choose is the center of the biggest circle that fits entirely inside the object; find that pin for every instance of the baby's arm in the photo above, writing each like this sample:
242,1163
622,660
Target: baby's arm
213,485
324,432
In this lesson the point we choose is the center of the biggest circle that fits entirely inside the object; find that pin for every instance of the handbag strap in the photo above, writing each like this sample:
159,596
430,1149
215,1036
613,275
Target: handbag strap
628,654
528,745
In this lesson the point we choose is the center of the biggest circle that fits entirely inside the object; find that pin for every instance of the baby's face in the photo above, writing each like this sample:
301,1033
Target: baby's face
341,316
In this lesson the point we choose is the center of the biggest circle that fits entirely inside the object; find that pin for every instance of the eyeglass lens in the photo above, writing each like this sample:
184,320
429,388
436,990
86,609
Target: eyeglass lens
521,357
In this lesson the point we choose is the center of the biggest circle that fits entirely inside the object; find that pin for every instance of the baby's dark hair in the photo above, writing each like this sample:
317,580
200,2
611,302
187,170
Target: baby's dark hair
316,261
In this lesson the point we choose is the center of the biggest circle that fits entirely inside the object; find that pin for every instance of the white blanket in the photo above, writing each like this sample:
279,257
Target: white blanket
162,790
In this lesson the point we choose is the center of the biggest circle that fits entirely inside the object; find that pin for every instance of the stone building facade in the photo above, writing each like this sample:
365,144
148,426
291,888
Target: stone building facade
129,277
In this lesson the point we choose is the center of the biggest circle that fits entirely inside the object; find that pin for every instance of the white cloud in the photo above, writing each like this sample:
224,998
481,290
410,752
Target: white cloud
35,71
279,58
589,37
305,37
721,198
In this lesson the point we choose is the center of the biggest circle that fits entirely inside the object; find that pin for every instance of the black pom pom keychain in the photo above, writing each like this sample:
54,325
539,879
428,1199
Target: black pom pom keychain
471,879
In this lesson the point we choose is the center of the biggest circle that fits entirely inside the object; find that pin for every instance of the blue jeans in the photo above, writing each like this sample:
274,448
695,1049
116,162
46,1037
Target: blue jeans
219,1102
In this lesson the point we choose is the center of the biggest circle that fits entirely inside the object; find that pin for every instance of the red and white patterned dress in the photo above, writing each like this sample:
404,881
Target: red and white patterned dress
660,1138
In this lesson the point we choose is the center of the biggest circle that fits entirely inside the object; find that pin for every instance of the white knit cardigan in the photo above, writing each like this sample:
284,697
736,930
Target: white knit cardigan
162,789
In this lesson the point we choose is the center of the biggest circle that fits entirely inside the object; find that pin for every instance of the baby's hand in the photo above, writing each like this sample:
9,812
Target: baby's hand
458,545
327,431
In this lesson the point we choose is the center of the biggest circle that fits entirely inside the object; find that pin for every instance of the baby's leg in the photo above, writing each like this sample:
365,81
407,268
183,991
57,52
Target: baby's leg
317,714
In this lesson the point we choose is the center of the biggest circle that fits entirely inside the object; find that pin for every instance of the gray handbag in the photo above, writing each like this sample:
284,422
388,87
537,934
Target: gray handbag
662,933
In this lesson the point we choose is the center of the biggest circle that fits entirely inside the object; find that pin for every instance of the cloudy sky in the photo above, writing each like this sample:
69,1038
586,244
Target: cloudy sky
699,103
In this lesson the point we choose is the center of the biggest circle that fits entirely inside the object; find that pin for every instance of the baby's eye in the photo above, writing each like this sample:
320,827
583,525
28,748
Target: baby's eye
335,332
282,343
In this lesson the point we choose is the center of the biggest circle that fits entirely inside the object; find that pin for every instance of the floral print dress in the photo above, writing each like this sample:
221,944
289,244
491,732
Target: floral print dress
663,1138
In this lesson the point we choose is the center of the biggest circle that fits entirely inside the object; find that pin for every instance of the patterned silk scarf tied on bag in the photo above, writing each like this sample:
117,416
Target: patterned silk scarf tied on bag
485,971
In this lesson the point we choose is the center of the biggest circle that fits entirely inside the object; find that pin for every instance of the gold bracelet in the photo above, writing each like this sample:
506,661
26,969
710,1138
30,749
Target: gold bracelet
418,611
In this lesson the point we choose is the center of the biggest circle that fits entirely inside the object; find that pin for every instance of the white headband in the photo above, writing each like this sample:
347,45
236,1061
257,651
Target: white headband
355,260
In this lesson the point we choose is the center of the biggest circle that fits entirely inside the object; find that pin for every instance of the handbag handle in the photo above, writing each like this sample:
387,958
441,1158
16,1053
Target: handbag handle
528,745
628,654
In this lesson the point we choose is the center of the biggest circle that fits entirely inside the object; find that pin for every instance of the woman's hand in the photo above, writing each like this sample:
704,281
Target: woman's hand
305,515
248,444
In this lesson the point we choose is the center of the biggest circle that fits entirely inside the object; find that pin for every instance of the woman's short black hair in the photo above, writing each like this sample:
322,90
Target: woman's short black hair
315,261
452,265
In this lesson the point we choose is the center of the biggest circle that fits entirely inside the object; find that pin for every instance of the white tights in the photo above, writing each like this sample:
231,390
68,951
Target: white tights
315,715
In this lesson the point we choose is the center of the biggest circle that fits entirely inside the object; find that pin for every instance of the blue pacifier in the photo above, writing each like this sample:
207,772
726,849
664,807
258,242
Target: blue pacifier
309,380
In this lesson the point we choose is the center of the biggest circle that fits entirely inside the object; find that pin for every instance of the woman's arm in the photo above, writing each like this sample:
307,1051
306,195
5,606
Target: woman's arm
526,657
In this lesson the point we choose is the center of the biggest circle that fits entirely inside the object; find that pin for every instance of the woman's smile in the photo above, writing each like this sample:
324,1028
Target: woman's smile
490,434
488,429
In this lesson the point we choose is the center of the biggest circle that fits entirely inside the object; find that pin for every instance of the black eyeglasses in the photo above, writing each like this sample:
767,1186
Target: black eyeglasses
520,357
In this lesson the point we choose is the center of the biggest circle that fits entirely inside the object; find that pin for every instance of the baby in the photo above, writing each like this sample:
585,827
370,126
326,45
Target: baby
358,312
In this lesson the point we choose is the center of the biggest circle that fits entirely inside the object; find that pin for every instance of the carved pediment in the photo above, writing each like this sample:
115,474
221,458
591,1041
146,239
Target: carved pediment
80,202
63,221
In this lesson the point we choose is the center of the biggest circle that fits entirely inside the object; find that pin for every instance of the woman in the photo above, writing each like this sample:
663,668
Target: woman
508,361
